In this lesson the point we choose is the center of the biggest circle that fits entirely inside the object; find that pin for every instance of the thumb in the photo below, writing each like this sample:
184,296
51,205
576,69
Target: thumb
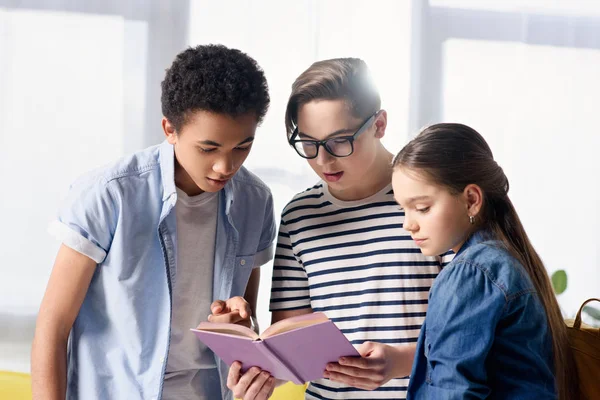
217,306
365,349
240,304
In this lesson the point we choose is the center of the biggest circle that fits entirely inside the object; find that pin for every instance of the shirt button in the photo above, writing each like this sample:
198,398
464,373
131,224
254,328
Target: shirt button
162,360
243,262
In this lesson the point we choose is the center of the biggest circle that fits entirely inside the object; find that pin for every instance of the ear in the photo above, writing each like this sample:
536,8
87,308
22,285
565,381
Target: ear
380,124
169,130
473,196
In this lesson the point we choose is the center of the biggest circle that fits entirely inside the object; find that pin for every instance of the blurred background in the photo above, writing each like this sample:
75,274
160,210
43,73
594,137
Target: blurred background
80,87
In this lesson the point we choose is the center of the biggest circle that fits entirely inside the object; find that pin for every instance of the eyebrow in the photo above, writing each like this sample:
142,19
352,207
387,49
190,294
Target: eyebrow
212,143
417,198
338,132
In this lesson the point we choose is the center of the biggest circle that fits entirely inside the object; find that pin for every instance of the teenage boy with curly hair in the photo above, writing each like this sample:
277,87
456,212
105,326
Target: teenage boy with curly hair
151,241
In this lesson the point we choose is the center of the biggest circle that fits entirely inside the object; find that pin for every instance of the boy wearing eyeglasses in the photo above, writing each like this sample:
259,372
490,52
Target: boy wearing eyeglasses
342,249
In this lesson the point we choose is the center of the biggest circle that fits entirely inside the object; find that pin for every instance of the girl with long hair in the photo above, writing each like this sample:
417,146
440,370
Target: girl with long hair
493,327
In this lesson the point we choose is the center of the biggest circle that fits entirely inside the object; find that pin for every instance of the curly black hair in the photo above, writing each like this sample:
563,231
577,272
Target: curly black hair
213,78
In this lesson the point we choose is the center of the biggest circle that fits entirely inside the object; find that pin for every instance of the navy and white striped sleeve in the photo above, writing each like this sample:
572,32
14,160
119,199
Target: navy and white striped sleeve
289,286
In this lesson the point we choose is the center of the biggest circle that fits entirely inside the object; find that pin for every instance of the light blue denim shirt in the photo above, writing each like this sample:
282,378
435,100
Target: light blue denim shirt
123,217
486,335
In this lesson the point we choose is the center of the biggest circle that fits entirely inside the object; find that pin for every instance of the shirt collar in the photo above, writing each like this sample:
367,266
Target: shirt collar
475,238
167,168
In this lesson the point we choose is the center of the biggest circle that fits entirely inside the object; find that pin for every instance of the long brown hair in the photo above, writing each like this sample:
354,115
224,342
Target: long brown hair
454,156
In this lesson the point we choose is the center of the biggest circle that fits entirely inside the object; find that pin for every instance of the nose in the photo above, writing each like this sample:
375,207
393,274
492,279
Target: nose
409,223
324,158
225,165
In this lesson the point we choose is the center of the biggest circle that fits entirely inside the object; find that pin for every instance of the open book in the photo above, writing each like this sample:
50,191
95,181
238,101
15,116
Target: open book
295,349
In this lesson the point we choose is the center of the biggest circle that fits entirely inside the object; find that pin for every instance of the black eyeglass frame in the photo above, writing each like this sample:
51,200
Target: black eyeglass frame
351,138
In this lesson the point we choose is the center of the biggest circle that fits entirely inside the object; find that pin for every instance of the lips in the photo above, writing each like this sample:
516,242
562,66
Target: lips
221,178
218,181
333,177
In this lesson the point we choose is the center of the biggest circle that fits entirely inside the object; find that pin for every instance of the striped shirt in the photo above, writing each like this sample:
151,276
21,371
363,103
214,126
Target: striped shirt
353,261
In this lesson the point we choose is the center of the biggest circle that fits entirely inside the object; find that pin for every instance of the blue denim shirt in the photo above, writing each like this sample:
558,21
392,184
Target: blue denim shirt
123,217
485,335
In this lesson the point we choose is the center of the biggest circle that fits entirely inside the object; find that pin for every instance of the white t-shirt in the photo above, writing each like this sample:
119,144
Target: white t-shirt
191,368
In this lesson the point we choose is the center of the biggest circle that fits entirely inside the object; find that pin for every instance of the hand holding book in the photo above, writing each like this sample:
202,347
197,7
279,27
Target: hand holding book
296,349
253,384
377,365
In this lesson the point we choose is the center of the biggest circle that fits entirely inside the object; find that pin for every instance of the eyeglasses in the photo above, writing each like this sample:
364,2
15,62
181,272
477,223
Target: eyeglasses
339,146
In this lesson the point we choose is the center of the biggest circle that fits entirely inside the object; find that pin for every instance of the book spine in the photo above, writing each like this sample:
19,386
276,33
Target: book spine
264,348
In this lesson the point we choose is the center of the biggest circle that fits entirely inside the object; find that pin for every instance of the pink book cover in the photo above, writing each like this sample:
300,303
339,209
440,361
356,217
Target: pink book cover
296,349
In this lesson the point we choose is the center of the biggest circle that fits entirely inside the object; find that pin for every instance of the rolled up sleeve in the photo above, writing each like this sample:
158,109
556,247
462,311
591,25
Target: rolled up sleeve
87,219
266,247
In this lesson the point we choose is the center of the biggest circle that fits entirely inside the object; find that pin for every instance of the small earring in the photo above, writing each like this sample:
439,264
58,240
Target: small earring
472,219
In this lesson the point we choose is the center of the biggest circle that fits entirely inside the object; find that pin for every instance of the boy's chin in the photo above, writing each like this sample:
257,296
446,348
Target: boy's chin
430,252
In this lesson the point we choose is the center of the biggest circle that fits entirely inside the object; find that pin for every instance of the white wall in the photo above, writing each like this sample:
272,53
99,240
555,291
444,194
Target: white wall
547,143
525,75
56,120
63,111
